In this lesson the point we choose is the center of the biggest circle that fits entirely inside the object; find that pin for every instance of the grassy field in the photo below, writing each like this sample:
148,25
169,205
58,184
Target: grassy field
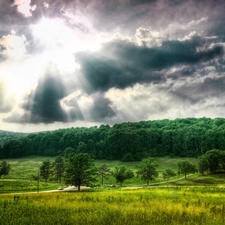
154,205
24,169
193,201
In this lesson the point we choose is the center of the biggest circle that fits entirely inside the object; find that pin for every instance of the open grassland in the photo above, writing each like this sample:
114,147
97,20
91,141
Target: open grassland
155,206
24,170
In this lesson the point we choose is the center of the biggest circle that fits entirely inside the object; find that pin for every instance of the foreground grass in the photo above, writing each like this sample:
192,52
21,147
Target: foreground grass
155,206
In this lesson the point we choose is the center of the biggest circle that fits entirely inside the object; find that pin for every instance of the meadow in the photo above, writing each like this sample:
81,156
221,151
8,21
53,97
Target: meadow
153,205
24,170
193,201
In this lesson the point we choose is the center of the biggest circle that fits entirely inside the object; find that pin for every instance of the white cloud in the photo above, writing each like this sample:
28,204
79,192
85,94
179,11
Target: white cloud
13,46
148,37
24,7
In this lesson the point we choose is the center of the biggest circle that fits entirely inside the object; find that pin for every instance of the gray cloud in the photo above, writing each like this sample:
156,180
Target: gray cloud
102,73
45,104
122,64
101,108
74,112
17,118
198,89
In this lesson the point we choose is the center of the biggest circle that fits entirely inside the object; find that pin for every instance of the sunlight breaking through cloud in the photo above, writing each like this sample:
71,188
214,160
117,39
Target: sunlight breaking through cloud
69,63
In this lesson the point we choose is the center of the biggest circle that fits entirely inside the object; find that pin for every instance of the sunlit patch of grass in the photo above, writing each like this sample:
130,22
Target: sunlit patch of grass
24,168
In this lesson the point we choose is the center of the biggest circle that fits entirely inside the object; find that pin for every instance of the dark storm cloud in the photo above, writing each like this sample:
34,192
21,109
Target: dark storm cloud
45,106
101,108
104,73
122,64
167,55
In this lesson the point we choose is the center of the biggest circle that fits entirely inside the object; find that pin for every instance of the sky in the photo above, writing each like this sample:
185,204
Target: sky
73,63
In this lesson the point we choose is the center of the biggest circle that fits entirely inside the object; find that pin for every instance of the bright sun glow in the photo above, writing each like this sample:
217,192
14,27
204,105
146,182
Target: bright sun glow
51,32
55,33
59,43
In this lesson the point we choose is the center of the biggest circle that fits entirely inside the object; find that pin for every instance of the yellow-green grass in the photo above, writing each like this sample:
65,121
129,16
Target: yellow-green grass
25,168
198,180
19,185
155,206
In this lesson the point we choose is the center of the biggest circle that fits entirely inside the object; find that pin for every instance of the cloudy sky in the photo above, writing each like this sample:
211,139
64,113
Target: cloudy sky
69,63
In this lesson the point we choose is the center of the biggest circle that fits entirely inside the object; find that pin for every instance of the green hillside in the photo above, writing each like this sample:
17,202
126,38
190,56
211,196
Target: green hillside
6,136
188,137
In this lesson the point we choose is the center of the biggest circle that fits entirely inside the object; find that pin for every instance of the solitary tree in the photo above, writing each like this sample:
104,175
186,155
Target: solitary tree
45,170
168,173
4,168
121,173
147,170
80,170
185,167
104,172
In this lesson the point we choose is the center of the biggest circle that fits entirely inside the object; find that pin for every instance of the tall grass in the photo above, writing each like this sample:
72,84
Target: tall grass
155,206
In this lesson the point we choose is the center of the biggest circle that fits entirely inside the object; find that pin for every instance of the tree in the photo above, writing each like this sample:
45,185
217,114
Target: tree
214,160
45,170
80,170
147,170
121,173
58,168
185,167
168,173
104,171
203,164
4,168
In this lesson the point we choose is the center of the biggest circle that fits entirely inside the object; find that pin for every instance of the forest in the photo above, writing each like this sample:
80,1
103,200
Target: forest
129,141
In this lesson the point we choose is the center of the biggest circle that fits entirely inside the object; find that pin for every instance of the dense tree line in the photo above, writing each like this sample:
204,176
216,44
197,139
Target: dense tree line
6,136
189,137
